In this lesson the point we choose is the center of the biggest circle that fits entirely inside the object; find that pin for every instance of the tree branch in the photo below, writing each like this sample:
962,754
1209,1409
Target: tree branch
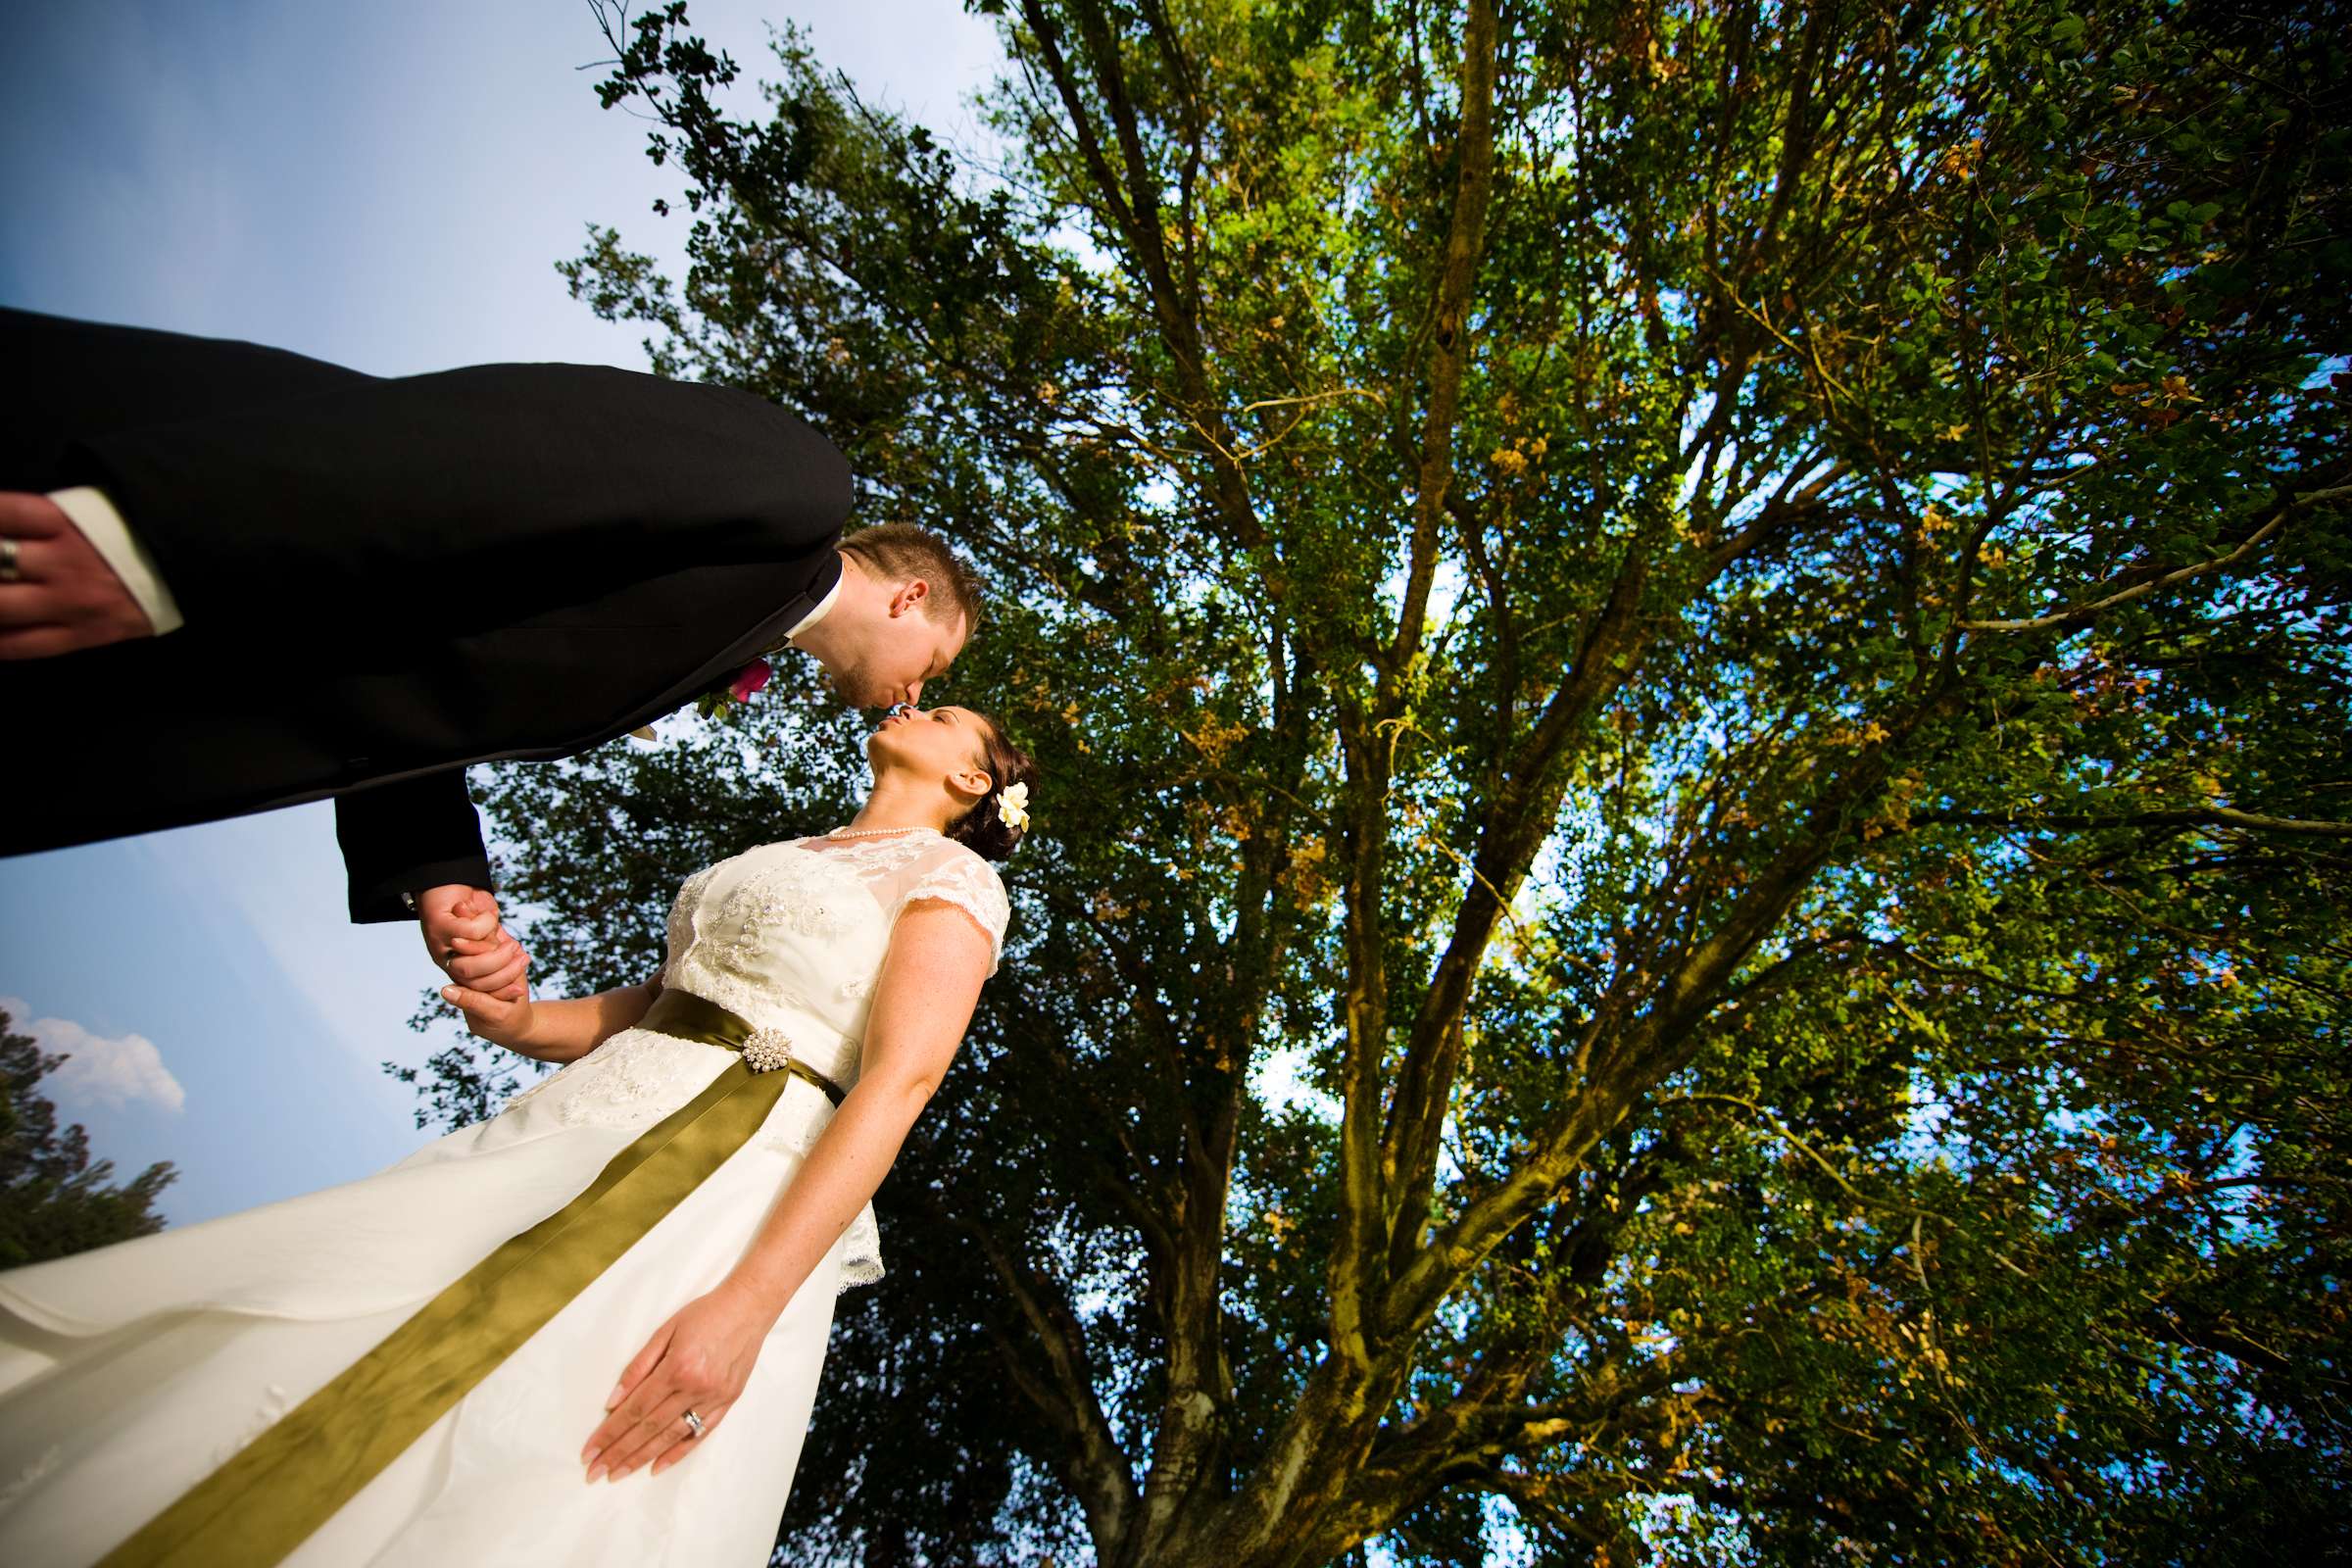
1449,341
2075,617
1098,1469
2196,816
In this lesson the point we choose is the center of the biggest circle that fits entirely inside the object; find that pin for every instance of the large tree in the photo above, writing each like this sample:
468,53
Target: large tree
1688,659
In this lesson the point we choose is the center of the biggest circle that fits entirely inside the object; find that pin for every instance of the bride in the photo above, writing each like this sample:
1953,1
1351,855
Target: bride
515,1346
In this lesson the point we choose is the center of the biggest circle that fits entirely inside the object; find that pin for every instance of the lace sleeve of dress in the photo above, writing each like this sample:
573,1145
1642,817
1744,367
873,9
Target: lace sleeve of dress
969,883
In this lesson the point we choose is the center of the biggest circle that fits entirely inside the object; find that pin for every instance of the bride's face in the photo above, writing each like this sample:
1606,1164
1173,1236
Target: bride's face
949,744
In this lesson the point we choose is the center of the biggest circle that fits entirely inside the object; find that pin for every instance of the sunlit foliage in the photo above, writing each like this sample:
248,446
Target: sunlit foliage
1689,659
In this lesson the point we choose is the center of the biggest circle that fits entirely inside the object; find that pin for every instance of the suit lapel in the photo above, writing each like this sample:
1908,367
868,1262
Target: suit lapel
816,579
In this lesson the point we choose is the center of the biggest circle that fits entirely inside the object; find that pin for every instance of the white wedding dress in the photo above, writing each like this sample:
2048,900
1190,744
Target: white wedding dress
128,1374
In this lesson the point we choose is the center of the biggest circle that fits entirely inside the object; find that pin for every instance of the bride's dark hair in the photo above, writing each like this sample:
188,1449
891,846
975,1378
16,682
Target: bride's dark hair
983,829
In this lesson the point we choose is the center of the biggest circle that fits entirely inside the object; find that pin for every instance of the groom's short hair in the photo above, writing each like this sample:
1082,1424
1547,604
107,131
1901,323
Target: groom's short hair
893,550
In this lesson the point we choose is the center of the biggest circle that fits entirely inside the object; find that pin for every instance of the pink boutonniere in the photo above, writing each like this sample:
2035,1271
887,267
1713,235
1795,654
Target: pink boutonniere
750,682
747,683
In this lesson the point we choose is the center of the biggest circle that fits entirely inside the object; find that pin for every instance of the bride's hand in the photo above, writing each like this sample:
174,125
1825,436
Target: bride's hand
699,1360
501,1022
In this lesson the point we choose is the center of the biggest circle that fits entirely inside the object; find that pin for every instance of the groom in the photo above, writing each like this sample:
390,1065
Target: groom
233,579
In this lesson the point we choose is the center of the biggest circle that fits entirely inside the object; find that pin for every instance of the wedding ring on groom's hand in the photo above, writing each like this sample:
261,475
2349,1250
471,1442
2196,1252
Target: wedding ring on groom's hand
694,1425
9,570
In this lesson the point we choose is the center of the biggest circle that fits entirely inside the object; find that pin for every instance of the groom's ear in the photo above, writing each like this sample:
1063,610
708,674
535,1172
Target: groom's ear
909,596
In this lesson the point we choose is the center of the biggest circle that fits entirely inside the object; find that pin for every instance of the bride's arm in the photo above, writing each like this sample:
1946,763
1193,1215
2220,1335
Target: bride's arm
553,1031
702,1358
923,1000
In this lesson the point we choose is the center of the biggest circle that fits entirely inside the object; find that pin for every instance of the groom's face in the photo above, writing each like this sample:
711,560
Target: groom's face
904,649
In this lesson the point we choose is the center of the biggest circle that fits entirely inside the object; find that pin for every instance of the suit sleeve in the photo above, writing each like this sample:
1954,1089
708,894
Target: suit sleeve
408,836
463,497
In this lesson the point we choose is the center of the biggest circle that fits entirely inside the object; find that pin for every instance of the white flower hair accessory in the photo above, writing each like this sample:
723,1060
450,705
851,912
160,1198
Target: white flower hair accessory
1012,805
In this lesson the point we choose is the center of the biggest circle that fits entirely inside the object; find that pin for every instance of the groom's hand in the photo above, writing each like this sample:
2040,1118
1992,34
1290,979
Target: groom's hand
462,931
62,597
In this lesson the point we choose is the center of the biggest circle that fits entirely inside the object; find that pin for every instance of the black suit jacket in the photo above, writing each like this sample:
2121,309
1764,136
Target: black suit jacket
387,579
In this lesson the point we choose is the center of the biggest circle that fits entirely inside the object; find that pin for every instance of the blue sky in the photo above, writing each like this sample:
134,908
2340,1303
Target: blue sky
387,187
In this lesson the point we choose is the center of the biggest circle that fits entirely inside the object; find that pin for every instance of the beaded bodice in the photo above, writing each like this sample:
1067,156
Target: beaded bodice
792,937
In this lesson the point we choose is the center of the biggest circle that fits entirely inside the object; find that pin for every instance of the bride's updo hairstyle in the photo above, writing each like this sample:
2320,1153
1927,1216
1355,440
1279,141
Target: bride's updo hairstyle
983,829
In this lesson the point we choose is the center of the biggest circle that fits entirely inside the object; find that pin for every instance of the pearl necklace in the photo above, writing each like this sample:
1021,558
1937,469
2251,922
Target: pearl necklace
877,832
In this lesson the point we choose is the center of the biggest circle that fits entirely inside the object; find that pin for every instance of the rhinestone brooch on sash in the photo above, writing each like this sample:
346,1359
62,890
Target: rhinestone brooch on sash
767,1050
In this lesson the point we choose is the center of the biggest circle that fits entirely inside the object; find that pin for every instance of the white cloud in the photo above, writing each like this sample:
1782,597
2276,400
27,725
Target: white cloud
112,1073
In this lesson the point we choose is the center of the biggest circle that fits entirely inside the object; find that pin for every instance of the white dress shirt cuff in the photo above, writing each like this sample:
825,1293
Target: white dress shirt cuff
103,527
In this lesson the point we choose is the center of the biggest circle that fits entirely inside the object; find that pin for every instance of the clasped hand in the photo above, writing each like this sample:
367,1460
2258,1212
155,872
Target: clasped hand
462,931
699,1360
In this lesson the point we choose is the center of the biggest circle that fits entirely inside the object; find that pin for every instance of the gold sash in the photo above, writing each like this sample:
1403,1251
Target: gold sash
687,1017
280,1488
